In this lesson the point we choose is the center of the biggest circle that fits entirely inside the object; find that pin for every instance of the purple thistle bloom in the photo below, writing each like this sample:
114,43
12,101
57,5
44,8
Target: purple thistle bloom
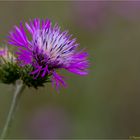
3,52
48,49
6,55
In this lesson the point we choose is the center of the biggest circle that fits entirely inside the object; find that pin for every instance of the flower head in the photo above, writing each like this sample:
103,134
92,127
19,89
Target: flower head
6,55
9,70
48,50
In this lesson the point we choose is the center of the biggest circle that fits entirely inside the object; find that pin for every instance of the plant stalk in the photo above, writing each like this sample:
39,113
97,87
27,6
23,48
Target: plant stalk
19,87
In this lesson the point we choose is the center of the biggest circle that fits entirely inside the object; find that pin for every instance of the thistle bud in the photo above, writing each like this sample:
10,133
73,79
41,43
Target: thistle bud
9,70
6,56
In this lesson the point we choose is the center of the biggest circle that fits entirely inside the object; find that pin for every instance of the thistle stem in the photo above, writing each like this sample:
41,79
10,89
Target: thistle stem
19,87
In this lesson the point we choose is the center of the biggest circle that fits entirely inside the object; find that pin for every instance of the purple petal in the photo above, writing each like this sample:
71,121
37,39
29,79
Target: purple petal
57,80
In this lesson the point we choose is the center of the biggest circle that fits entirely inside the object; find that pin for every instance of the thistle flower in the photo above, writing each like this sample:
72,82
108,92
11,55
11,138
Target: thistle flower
8,67
6,55
48,50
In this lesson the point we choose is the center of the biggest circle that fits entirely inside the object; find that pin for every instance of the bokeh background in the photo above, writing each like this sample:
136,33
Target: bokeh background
104,104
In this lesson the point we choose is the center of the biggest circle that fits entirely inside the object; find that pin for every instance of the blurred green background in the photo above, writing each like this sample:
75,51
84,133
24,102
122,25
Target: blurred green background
104,104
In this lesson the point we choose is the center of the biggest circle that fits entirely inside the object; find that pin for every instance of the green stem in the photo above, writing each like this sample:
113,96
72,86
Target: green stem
19,88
